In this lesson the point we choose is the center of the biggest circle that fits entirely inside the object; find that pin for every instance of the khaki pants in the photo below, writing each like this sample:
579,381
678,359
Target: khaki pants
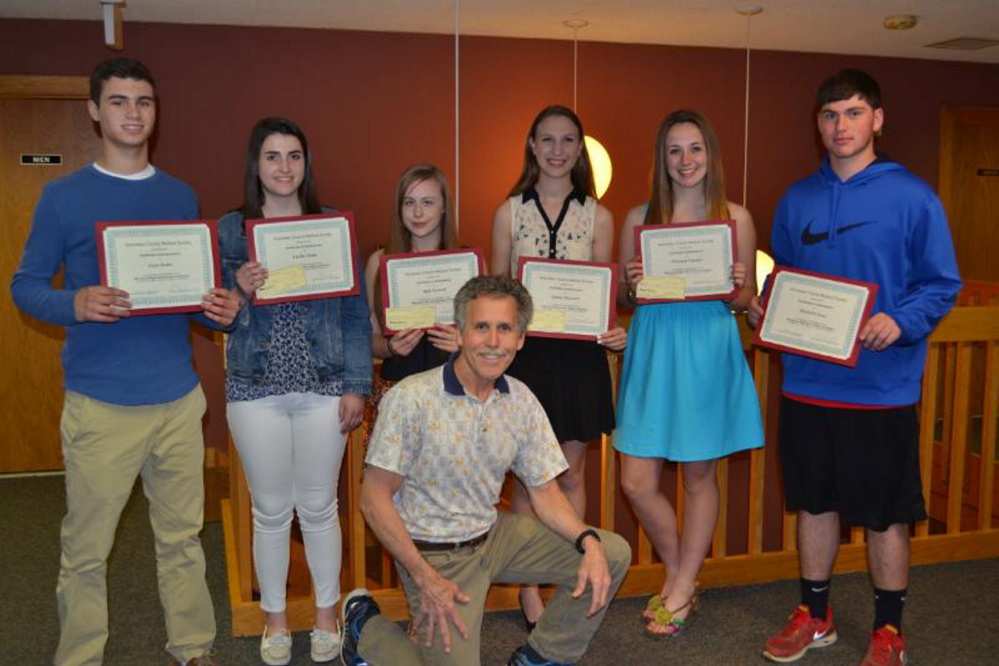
105,447
519,550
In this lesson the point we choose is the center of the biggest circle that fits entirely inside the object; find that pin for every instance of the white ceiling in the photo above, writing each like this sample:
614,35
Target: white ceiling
827,26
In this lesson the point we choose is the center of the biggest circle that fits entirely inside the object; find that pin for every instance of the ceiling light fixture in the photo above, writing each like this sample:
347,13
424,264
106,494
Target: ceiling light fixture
600,160
900,22
112,24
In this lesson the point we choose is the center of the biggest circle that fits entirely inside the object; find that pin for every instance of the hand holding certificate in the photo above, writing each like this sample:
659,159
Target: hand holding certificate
572,299
686,262
418,288
164,266
815,315
307,257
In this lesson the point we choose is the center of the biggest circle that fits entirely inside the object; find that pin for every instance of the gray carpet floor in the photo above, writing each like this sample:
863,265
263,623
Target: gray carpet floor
951,616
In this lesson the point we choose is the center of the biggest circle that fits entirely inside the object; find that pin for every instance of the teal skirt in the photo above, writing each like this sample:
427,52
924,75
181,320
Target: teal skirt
686,392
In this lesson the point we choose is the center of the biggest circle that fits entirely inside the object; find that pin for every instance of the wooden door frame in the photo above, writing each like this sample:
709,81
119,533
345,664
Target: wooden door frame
44,87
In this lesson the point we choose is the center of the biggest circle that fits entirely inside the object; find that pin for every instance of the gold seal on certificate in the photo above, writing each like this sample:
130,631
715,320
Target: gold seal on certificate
418,288
815,315
572,299
306,257
700,255
165,266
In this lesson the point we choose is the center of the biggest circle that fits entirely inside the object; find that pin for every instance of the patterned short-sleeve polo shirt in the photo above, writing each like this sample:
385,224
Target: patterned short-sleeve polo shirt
455,450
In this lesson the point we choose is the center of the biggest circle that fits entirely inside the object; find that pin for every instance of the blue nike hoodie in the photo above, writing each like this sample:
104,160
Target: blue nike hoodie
883,225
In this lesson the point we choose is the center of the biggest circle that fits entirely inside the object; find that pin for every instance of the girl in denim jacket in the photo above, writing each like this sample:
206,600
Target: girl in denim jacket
297,377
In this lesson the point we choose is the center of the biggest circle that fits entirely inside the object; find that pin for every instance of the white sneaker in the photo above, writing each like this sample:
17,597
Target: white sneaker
275,650
325,645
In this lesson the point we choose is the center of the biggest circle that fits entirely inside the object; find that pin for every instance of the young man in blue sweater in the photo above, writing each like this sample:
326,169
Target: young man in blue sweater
848,436
133,402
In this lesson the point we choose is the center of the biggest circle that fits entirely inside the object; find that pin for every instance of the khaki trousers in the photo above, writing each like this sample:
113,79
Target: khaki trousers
519,550
105,447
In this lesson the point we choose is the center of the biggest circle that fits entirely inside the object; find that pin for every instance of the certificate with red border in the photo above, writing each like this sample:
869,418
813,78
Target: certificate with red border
697,255
418,288
572,299
815,315
164,265
306,257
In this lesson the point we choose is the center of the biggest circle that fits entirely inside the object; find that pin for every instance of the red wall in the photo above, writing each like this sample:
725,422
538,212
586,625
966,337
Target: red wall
373,103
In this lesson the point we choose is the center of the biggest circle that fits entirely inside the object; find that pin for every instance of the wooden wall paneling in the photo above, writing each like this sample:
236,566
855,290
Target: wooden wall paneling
990,415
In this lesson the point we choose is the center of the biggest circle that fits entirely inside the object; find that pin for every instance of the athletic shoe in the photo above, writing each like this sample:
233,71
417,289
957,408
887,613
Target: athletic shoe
526,656
275,649
800,634
357,608
325,645
887,648
207,659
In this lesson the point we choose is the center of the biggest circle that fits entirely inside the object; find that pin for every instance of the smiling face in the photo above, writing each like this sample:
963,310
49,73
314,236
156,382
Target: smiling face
848,128
556,145
422,209
126,113
281,166
686,155
490,338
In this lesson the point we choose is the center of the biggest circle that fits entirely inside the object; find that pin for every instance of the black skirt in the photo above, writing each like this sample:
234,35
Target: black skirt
571,378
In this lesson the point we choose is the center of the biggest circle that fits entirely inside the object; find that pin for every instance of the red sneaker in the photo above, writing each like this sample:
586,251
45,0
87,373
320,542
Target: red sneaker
801,633
887,648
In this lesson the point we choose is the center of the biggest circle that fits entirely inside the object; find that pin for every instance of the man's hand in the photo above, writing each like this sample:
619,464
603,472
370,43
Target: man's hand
438,597
221,305
103,304
593,569
351,411
880,332
754,313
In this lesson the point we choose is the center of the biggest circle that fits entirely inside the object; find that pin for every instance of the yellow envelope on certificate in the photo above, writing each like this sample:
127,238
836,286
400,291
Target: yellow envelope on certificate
662,286
282,281
549,321
419,316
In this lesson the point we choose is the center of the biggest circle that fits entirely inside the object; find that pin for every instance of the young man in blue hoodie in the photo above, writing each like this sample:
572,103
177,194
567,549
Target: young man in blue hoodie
848,436
133,402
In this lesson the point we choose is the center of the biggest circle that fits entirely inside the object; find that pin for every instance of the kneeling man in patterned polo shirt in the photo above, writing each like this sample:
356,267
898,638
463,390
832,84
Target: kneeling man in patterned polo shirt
440,450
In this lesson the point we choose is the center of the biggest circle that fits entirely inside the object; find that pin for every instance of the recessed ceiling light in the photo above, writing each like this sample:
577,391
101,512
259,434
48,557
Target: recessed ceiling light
900,22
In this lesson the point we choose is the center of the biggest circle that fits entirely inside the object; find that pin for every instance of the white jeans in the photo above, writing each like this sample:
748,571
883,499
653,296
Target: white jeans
291,448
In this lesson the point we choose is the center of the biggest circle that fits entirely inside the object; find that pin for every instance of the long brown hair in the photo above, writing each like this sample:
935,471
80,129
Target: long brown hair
660,209
401,238
253,191
582,172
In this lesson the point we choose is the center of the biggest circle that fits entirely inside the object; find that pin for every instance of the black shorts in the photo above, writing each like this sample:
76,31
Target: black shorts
863,463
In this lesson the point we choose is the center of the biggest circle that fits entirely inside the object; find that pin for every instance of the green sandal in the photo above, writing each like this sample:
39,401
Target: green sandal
654,604
667,618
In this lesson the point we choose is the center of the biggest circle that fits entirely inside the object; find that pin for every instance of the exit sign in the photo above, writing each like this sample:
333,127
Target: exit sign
41,160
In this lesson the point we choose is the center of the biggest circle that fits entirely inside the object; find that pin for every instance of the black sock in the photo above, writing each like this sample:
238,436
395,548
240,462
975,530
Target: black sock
815,595
888,608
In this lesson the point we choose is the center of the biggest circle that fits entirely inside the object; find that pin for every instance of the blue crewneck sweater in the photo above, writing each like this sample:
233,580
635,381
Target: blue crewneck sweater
139,360
882,225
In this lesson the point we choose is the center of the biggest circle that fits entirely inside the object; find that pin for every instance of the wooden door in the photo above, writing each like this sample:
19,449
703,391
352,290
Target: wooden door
969,187
31,375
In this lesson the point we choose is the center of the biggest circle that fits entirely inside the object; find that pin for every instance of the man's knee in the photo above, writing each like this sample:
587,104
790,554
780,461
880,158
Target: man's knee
618,553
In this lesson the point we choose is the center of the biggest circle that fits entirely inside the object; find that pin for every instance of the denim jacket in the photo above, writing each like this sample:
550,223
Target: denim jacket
338,330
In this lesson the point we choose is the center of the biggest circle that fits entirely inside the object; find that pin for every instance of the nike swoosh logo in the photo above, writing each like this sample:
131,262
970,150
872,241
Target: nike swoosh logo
809,238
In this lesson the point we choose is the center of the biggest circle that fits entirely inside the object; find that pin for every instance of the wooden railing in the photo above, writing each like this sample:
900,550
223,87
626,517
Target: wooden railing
755,538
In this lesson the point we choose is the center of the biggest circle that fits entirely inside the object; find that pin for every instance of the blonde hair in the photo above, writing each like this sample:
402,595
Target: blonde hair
401,239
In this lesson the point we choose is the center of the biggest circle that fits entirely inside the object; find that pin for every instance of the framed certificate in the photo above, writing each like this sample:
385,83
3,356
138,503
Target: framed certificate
307,257
418,288
165,266
686,262
572,299
815,315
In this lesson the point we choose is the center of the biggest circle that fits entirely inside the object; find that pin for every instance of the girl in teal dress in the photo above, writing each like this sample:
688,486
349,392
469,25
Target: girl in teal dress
686,393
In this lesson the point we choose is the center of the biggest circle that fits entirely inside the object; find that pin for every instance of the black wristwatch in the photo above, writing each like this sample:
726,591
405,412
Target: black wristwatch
582,535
